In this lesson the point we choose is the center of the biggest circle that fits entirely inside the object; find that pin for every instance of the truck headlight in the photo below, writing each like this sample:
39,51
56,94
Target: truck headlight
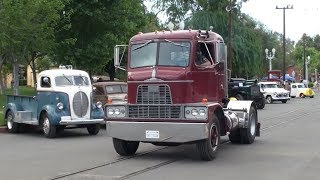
199,112
99,104
60,105
115,111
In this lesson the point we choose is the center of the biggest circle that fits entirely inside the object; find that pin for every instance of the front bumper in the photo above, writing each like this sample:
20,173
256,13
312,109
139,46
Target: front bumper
280,98
165,132
66,120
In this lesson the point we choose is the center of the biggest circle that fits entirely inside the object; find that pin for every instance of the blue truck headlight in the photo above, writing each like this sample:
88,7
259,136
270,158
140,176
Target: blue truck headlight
115,111
60,106
199,112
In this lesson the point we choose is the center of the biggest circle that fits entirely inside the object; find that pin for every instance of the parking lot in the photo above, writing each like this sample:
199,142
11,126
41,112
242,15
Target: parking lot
287,149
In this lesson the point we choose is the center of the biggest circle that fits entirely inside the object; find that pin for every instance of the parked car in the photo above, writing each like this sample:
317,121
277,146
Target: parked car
272,92
300,90
115,91
243,89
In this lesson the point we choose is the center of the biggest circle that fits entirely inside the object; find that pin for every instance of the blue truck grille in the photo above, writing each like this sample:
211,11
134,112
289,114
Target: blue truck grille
80,104
154,111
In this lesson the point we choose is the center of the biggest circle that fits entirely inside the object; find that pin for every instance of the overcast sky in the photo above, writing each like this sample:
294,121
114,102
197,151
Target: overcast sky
303,18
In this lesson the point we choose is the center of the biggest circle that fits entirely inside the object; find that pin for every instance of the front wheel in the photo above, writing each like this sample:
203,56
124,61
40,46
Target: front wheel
208,148
284,101
125,148
269,99
93,129
12,126
49,130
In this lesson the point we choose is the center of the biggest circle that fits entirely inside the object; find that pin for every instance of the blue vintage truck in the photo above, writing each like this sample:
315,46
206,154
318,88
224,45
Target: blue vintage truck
64,99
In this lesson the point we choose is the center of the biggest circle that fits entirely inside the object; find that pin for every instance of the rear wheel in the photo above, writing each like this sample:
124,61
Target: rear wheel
311,96
302,95
249,134
93,129
246,135
49,130
125,148
208,148
239,97
12,126
261,103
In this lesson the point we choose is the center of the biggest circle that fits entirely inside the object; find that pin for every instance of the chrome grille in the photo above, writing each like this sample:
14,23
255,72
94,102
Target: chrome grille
154,111
80,104
154,94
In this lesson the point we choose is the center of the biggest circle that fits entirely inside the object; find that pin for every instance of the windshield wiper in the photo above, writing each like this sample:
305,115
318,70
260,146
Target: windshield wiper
143,45
176,44
67,78
82,78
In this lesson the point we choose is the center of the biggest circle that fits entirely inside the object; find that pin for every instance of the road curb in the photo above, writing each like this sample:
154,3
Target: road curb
3,129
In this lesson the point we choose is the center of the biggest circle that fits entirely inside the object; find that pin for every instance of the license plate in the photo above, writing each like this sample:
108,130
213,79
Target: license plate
152,134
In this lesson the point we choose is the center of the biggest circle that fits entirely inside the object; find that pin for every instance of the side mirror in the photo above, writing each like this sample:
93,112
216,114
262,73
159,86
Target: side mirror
116,56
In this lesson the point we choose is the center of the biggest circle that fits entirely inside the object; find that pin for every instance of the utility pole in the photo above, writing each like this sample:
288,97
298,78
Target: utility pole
304,56
229,10
284,38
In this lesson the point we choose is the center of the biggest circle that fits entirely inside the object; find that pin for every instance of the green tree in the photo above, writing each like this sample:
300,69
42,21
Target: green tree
96,27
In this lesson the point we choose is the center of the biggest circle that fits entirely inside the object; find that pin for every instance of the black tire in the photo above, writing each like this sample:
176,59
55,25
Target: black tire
284,101
261,103
249,134
93,129
60,129
12,126
49,130
269,100
302,95
208,148
234,136
239,97
311,96
125,148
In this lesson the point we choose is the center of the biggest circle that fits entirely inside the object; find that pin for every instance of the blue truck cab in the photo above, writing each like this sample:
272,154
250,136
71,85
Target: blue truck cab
64,99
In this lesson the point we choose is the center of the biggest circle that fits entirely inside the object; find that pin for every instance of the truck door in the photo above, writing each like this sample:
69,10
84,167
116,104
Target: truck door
221,61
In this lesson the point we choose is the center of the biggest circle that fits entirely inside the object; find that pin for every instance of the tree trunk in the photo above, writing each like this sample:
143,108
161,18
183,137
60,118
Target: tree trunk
33,68
1,78
15,75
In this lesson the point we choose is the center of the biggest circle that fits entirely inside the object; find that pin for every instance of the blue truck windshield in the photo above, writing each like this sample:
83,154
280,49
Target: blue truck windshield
175,53
71,81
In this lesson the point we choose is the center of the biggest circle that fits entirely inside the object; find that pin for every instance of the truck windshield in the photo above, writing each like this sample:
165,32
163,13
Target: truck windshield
171,53
71,81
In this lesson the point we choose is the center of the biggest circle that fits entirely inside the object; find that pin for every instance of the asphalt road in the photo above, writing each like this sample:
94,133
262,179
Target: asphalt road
287,149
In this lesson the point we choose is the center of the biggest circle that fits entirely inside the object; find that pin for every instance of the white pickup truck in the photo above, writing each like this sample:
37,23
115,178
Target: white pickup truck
272,92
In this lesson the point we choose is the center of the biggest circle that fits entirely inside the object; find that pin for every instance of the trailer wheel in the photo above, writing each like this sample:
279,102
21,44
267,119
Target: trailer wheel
125,148
93,129
48,129
208,148
248,134
12,126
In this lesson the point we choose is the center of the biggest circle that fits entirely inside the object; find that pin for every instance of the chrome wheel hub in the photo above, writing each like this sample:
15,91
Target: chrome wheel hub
214,137
9,121
46,125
